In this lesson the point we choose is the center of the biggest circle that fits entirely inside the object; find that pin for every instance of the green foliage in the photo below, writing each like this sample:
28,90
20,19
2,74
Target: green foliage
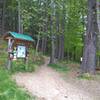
3,53
9,90
33,63
59,67
98,53
36,14
86,76
19,65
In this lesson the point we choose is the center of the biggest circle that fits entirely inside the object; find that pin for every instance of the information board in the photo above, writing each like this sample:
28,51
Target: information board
21,51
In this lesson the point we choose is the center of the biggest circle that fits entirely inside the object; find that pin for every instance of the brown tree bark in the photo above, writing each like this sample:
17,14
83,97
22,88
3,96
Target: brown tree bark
20,26
52,56
89,52
98,38
3,16
61,36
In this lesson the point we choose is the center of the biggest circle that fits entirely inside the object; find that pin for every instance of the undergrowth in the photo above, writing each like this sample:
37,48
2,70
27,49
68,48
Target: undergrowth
9,89
86,76
19,64
33,63
59,67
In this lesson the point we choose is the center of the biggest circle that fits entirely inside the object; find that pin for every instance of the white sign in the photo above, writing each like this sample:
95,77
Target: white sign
21,51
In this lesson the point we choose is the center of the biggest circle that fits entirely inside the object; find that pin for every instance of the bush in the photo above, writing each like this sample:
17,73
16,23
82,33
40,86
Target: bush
20,66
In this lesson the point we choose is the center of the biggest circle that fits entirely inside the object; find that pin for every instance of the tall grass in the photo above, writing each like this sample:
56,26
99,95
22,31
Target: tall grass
9,90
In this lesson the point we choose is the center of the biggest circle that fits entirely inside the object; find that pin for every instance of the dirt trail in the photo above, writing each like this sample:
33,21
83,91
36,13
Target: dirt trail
47,84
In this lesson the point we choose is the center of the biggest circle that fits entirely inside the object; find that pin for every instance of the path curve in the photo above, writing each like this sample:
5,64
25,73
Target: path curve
47,84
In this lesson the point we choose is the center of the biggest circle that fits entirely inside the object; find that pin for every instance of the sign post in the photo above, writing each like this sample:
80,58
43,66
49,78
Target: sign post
10,55
22,53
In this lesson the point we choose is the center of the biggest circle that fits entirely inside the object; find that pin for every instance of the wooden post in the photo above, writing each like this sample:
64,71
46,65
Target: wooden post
26,63
9,54
26,59
9,63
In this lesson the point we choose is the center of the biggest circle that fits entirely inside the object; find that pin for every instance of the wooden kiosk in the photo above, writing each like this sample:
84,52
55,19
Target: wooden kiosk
18,45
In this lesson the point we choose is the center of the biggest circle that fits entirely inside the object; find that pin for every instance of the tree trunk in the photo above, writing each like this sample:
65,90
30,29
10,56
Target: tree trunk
43,44
57,47
52,58
20,26
68,55
37,44
98,15
61,37
59,53
3,17
62,46
98,38
1,14
89,52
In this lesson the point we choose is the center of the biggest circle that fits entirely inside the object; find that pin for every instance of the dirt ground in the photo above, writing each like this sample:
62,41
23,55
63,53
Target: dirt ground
47,84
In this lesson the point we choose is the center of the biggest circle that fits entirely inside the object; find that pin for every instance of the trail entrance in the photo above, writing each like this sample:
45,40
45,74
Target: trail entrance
47,84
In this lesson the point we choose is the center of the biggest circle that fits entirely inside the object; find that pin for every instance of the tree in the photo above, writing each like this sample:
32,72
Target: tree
61,35
74,29
98,37
2,15
52,56
89,52
20,26
52,23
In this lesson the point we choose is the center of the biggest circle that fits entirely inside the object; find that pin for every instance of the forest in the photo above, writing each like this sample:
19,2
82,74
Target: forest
65,32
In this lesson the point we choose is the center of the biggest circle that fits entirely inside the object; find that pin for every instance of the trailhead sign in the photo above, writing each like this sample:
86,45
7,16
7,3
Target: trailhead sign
21,51
18,45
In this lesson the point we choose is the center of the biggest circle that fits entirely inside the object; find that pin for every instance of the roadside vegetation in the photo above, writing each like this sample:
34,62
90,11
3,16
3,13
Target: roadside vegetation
60,67
33,63
9,90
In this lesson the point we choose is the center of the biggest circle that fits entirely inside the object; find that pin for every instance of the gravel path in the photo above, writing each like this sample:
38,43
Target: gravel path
47,84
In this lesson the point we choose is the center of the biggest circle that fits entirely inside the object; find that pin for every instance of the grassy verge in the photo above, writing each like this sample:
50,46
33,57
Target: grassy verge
9,89
20,66
60,67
